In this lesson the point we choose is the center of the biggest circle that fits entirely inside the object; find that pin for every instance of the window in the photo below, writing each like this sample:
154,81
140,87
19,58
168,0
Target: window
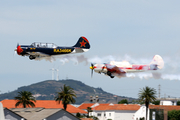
109,114
99,114
104,114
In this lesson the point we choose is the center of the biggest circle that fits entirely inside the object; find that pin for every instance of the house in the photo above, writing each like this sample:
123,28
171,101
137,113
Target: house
115,111
10,115
140,113
44,114
168,101
2,116
165,108
84,106
47,104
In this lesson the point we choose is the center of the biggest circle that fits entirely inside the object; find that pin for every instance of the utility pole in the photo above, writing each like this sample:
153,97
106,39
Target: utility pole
159,91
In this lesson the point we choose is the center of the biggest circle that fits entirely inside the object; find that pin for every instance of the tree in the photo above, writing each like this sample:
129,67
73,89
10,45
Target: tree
78,115
123,101
156,102
174,115
25,98
89,109
66,95
147,95
142,118
178,102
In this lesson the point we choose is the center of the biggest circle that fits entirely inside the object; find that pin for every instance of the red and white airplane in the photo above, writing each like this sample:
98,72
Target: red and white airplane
121,68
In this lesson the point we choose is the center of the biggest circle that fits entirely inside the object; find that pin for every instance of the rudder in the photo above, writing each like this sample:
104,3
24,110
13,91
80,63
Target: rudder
82,43
157,60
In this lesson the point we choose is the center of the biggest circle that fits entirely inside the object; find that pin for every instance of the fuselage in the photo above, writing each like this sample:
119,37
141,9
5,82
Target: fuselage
27,50
133,68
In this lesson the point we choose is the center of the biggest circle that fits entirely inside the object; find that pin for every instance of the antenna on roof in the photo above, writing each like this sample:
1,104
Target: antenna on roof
159,90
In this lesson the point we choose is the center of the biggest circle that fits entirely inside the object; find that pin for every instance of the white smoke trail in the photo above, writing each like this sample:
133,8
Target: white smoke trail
65,59
151,75
74,58
169,72
139,75
170,77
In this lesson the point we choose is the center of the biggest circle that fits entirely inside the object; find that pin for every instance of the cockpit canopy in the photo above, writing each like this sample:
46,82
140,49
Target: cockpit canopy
44,45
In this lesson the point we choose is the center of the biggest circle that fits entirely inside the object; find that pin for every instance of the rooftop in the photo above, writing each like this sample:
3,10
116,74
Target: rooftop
118,107
85,105
165,107
44,104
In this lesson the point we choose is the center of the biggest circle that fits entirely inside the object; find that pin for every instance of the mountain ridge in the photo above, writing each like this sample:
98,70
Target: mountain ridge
47,90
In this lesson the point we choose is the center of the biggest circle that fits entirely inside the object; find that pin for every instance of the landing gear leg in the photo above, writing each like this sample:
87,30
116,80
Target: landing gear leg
109,73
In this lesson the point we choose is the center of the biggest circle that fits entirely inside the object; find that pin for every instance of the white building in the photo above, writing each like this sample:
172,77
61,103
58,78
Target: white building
168,101
115,111
2,116
141,113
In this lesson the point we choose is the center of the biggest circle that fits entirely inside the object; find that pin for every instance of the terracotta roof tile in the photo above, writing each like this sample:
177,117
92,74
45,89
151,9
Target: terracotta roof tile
165,107
85,105
86,118
45,104
118,107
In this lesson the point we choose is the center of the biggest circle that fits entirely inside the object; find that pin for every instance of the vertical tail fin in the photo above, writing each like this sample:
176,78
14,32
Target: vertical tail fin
82,43
157,62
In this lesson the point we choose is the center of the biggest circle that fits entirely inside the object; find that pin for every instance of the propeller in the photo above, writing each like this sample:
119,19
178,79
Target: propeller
92,68
15,51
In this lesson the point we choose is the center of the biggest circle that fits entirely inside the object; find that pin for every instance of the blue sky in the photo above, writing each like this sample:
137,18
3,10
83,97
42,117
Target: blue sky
119,30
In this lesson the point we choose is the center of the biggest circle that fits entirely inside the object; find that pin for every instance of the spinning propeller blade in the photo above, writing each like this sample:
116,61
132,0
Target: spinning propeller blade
15,51
92,68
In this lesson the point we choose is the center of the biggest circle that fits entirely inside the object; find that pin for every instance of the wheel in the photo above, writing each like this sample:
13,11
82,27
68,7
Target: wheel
112,76
31,57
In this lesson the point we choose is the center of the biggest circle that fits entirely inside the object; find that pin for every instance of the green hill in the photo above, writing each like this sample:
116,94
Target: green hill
48,89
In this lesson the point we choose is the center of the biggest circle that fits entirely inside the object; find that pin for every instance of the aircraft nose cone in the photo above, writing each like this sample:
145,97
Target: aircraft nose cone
91,67
19,50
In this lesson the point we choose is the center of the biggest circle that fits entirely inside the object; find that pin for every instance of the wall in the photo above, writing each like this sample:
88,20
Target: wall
124,115
11,115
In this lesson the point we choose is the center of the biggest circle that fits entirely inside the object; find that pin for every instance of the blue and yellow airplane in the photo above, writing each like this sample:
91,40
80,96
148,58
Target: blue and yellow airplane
38,50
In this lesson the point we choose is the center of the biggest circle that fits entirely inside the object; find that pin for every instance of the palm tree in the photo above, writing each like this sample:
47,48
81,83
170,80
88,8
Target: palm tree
66,95
25,98
147,95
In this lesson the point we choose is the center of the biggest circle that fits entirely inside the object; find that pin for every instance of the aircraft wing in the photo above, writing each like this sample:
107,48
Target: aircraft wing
114,69
38,54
